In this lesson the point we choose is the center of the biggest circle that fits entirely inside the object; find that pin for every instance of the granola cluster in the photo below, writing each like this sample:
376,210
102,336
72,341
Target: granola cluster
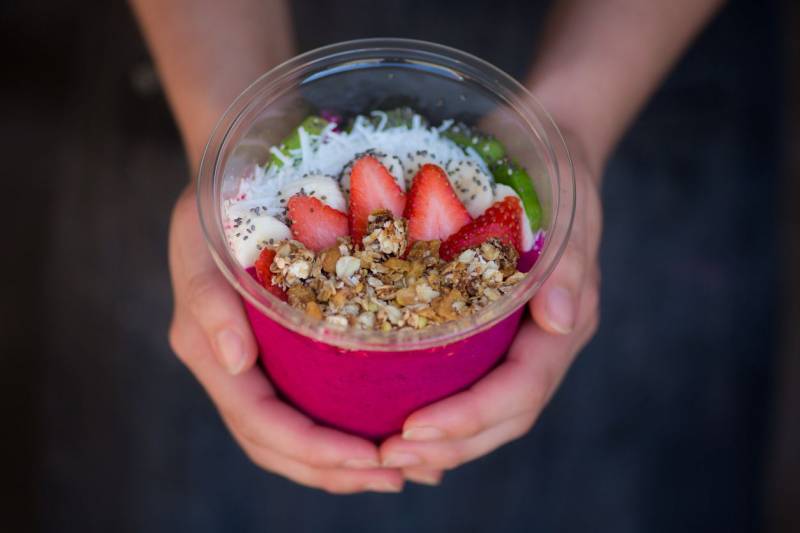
381,287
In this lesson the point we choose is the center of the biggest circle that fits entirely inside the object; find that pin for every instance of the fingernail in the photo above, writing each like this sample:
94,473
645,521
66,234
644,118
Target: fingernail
401,460
231,351
423,433
382,486
560,311
361,463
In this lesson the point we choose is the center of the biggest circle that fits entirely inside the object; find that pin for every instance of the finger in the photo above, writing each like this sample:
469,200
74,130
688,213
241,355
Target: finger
201,288
522,384
497,400
424,476
249,406
336,481
268,422
555,306
446,455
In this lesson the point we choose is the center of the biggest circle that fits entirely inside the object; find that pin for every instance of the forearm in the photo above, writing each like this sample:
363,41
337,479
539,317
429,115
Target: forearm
208,51
599,62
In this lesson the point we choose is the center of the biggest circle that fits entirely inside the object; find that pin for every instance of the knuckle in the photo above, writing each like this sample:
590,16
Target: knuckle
254,454
449,457
332,484
247,430
185,204
312,456
573,257
592,304
201,290
571,265
334,489
177,342
267,460
470,420
175,338
422,475
523,424
256,459
538,394
534,398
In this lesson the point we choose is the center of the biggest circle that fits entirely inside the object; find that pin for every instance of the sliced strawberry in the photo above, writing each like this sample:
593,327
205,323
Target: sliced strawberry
501,220
264,276
315,224
372,188
434,212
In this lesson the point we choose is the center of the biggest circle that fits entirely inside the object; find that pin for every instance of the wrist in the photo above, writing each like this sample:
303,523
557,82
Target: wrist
585,139
582,150
196,118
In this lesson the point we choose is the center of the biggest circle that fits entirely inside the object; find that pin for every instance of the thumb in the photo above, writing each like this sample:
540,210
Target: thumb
204,292
555,306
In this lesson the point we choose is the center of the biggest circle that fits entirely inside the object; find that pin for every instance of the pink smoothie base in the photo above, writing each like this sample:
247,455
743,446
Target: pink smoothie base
371,393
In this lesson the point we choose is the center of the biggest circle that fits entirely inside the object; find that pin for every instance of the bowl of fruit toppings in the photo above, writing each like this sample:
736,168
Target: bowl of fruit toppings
385,208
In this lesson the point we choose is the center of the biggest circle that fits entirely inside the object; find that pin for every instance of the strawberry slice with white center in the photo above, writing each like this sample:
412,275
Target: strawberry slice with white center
434,212
501,220
314,223
372,188
264,276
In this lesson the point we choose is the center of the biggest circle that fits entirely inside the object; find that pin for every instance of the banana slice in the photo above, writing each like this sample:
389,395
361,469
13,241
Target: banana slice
503,191
412,162
473,187
248,235
321,187
392,163
395,167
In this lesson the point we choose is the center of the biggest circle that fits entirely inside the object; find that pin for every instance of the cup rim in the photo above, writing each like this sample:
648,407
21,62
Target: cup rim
559,165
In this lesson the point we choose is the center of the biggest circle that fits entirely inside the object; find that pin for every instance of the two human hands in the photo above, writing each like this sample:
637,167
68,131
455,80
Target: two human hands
211,335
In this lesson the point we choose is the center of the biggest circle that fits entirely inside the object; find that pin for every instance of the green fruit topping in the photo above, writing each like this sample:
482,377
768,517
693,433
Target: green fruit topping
313,125
485,145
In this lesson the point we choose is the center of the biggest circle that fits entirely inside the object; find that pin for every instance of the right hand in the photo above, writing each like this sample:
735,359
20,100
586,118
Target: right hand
212,337
505,404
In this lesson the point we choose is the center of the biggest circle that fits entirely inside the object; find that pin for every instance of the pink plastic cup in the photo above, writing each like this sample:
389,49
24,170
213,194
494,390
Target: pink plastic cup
367,382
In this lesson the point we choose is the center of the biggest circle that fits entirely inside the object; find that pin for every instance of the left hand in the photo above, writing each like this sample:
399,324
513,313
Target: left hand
505,404
210,334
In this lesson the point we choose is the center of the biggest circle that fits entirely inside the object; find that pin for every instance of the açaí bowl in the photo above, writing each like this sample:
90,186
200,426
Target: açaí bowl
368,382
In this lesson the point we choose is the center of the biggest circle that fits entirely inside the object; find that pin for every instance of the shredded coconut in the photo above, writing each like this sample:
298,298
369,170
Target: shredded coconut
330,151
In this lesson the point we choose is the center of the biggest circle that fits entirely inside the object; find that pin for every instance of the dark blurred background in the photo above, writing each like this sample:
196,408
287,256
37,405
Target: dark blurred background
680,416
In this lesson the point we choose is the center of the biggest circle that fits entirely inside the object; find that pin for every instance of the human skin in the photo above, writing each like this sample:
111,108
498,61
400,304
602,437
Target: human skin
597,64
